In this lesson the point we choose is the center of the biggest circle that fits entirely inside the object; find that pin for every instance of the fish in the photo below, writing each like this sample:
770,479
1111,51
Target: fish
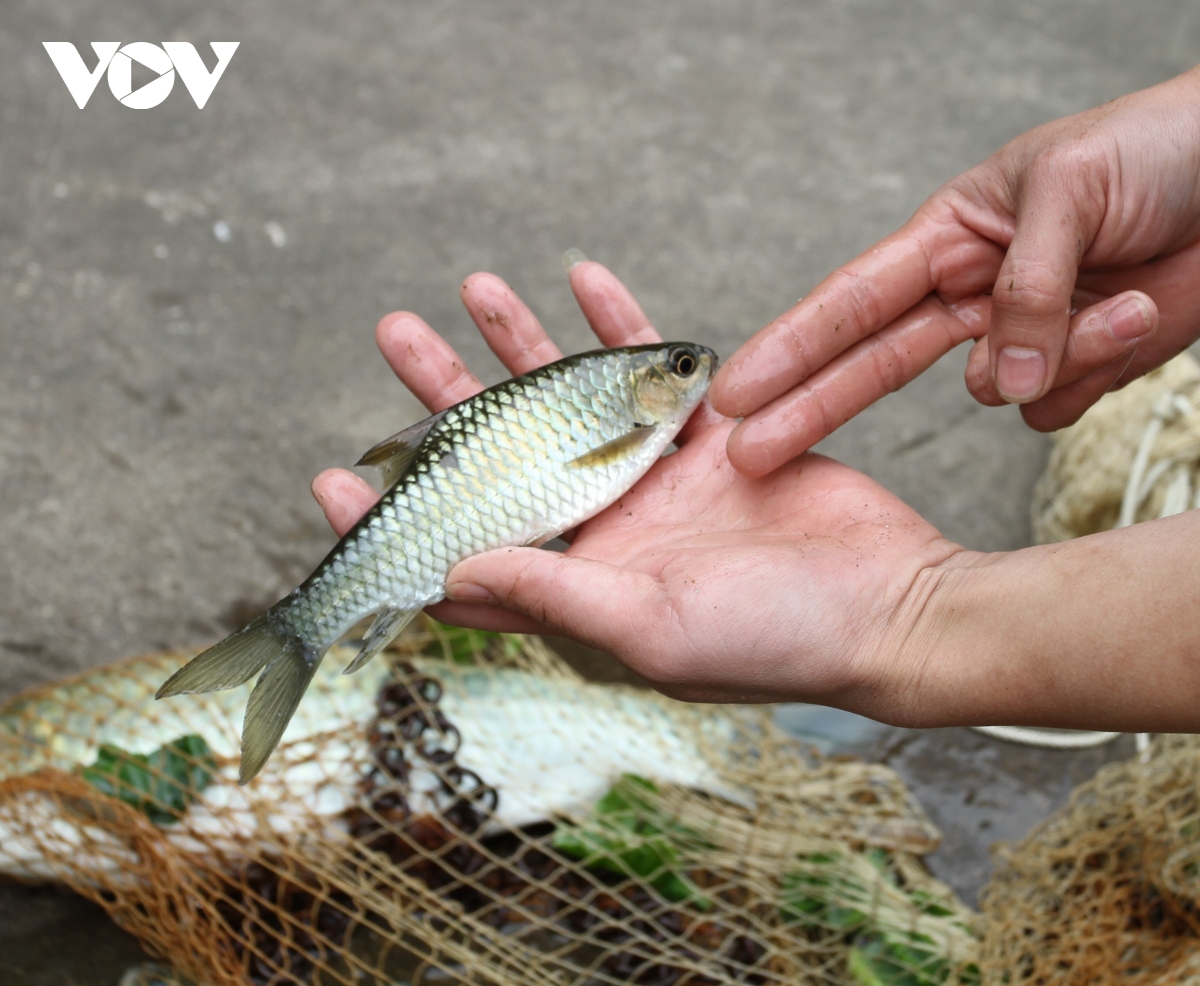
517,464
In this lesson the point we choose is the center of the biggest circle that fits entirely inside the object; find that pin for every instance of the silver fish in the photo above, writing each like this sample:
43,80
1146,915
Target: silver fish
517,464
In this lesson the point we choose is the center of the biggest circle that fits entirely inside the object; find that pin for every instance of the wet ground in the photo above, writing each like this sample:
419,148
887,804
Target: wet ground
187,296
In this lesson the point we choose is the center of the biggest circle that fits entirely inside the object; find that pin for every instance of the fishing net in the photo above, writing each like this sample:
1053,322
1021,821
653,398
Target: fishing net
1108,889
472,811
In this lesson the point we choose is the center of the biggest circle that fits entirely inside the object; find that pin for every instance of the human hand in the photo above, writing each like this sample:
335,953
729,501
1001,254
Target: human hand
708,583
1072,254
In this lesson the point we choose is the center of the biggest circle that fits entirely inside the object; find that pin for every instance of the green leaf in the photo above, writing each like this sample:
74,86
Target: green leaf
161,784
823,895
886,961
807,895
628,834
862,968
464,646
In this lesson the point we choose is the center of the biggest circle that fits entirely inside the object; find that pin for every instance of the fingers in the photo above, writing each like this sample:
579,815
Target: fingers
510,329
849,305
424,361
1103,334
344,497
611,311
878,365
433,371
1031,300
1065,405
428,367
1174,284
576,597
517,338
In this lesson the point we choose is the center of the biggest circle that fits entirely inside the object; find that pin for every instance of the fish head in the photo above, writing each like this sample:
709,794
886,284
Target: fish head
671,379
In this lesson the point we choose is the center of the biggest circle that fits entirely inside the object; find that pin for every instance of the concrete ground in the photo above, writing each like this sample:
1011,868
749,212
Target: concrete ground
187,296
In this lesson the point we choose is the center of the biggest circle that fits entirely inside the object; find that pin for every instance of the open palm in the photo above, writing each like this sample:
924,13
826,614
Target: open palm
713,585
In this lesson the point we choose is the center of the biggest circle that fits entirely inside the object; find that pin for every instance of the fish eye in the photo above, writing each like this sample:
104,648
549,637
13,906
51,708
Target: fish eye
681,361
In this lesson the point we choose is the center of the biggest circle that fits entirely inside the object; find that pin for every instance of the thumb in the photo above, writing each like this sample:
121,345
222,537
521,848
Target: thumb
1031,300
598,604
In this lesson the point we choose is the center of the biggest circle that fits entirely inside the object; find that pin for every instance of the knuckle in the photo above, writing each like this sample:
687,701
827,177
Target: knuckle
794,341
891,366
524,591
819,419
1066,160
1031,287
1071,157
860,298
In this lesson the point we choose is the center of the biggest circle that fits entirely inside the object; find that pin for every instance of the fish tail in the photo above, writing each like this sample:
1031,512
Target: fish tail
288,664
273,703
232,662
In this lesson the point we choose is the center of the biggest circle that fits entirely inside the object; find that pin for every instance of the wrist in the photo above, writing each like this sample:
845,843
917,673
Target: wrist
1096,633
1012,638
923,661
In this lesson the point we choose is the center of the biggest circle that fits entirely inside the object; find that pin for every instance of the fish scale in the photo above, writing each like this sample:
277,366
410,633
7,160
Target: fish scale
516,464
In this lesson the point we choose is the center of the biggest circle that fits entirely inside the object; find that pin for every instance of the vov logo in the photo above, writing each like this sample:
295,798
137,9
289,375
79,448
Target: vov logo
117,61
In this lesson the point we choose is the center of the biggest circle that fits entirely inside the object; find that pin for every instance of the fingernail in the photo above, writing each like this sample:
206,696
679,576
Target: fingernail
1129,320
468,592
573,257
1020,373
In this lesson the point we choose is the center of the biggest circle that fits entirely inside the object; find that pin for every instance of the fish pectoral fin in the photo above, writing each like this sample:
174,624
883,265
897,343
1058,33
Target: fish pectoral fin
387,626
614,451
395,455
272,705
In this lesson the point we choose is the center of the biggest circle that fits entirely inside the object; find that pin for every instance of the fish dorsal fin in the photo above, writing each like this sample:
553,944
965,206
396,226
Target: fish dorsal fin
614,451
395,455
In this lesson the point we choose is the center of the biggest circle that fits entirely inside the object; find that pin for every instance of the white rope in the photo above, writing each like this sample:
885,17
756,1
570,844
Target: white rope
1137,472
1178,494
1056,739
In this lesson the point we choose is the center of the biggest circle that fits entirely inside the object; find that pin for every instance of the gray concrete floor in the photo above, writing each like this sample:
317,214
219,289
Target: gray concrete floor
166,396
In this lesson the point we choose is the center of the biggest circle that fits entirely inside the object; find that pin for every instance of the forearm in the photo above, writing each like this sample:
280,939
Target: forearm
1102,632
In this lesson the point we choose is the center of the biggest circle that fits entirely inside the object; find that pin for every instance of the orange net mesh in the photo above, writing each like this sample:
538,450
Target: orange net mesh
1108,889
472,812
